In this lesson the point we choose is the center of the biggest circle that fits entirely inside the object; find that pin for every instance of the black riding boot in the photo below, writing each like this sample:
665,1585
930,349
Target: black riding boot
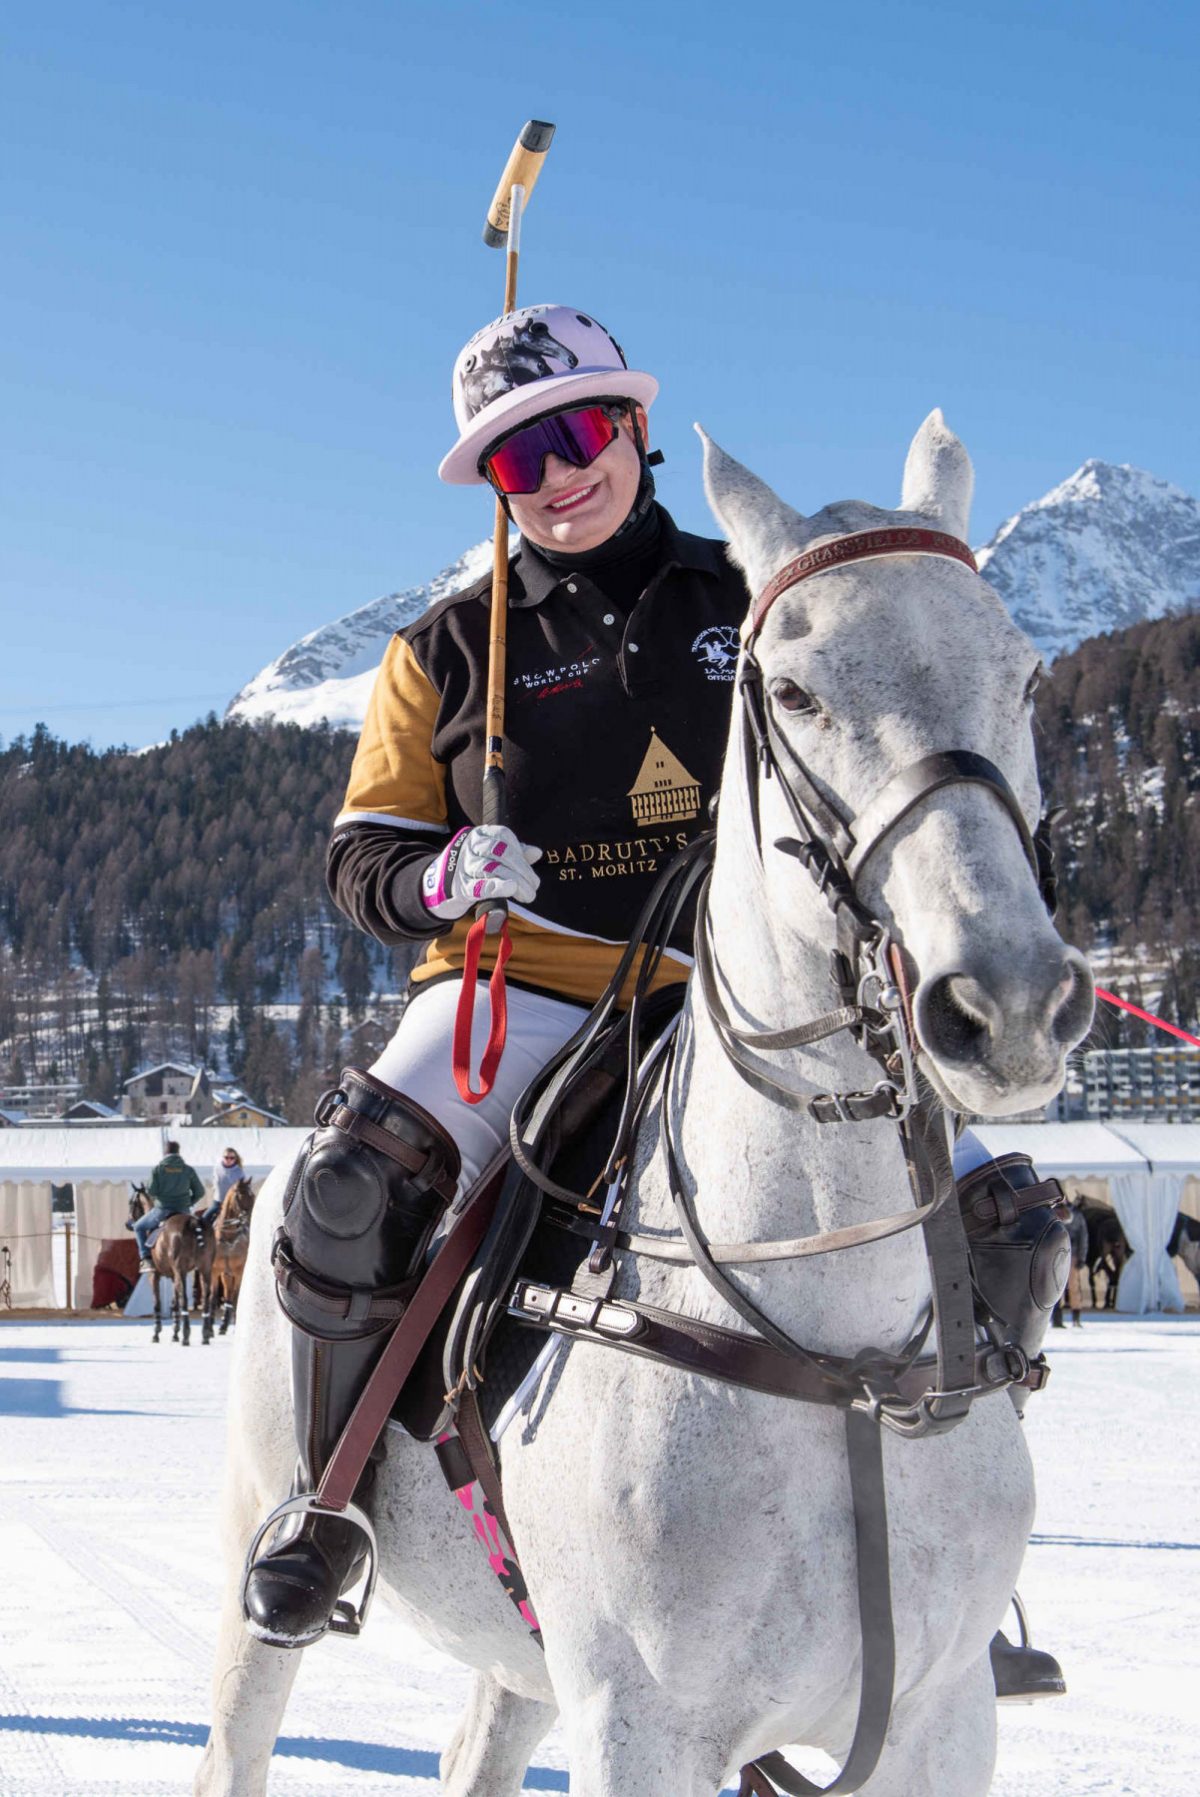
1020,1258
364,1199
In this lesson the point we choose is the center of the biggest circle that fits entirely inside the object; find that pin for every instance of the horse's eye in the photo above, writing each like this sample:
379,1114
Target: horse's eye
790,697
1034,681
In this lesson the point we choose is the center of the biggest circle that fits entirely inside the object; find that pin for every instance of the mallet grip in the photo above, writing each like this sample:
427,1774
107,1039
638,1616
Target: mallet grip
522,169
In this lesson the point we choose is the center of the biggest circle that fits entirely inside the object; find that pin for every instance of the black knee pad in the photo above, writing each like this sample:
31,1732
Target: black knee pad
365,1196
1019,1243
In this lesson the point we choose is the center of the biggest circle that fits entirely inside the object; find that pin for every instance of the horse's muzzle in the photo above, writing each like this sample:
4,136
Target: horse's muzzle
1005,1027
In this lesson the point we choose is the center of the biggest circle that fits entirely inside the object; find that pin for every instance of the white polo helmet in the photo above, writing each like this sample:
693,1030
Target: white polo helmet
535,360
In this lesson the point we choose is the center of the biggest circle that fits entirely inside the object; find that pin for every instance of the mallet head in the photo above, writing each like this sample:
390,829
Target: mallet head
522,168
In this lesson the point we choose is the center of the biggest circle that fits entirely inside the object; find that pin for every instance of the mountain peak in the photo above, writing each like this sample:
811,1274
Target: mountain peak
1108,546
1109,482
329,673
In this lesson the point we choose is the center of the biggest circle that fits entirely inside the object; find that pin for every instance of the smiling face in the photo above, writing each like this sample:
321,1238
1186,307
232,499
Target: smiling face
577,509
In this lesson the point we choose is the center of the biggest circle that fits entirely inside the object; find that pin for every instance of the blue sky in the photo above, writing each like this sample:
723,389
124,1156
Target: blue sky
242,246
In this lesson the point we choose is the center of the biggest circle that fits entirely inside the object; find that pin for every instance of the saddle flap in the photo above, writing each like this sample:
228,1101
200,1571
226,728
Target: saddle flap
528,1236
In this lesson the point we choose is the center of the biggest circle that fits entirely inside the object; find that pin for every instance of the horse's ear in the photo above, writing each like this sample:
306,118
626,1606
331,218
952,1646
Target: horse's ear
762,531
938,477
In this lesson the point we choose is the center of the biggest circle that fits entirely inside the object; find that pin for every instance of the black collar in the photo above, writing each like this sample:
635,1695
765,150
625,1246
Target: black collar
531,580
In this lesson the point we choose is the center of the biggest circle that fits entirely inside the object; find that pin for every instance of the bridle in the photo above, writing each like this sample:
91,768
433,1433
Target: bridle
834,848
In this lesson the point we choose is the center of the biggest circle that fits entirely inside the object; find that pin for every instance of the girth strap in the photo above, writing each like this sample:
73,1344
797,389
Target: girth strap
864,1448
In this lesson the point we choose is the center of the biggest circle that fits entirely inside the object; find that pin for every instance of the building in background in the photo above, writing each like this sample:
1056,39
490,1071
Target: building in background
171,1093
245,1114
1149,1085
90,1110
45,1103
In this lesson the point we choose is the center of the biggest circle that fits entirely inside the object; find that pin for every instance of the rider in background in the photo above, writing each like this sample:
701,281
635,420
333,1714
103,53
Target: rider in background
622,643
228,1171
174,1187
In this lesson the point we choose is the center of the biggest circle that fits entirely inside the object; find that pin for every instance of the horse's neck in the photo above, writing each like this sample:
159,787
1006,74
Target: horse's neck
763,1172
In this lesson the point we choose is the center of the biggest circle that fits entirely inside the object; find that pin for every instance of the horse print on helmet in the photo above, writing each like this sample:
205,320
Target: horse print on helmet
513,360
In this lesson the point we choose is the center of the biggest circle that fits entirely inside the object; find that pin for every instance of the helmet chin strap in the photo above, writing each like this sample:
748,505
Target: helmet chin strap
644,497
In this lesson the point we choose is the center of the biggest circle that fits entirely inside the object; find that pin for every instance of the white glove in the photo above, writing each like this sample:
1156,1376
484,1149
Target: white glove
485,862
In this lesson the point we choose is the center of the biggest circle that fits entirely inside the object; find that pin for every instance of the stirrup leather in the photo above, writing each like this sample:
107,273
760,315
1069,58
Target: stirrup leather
347,1619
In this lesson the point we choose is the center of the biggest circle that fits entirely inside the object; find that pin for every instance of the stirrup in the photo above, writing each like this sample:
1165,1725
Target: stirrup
346,1619
1022,1619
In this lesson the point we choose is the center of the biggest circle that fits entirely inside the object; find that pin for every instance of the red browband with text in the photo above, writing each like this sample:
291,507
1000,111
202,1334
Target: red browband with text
900,540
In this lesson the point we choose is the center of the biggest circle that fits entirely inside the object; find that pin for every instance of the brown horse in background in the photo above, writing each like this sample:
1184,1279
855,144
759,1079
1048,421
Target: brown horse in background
232,1232
1107,1249
183,1245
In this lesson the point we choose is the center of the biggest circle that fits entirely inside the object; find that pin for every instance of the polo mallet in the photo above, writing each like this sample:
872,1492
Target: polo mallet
502,227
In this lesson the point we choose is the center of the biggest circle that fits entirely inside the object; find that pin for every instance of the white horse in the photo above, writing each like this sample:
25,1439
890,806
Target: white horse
688,1545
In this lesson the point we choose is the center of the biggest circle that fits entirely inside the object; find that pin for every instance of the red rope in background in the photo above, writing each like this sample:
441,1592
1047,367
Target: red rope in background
1123,1004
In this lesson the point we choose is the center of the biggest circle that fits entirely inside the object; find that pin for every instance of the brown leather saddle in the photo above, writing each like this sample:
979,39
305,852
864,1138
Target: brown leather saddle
476,1346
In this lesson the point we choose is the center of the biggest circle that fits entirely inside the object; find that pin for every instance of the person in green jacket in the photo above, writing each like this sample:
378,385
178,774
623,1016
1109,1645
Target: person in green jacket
174,1187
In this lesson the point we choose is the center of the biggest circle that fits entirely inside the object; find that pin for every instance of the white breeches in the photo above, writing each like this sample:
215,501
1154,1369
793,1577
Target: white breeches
417,1062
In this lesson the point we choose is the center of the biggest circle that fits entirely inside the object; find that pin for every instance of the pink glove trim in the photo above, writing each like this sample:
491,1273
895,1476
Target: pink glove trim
446,860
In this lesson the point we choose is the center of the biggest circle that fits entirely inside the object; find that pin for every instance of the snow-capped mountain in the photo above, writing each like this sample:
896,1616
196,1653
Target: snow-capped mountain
1108,547
329,673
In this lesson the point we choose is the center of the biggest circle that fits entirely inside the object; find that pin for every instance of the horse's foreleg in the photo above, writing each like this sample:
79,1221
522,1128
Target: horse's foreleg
182,1315
624,1741
206,1302
157,1306
494,1741
942,1740
251,1683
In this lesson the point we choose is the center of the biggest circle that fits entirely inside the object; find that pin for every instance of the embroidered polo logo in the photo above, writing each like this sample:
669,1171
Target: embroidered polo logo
664,792
716,649
556,680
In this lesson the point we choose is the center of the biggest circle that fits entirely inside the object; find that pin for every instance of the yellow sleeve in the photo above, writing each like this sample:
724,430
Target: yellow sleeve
395,776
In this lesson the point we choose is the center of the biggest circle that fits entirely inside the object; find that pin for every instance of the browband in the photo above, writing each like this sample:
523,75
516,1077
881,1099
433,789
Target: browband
900,540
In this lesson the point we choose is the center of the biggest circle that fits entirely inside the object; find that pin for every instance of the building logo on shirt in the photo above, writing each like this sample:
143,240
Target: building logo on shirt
664,792
716,649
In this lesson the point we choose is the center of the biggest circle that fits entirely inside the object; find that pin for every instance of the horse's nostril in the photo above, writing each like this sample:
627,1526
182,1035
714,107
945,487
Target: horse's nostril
1074,1012
955,1017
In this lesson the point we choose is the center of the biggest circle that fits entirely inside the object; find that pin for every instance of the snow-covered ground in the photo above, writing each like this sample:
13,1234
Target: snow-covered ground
110,1460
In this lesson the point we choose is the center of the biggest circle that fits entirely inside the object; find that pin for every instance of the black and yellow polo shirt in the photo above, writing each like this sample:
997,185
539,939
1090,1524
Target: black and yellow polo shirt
615,733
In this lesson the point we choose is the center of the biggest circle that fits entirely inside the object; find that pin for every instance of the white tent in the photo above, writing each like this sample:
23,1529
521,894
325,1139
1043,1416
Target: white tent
100,1163
106,1154
26,1263
1145,1166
